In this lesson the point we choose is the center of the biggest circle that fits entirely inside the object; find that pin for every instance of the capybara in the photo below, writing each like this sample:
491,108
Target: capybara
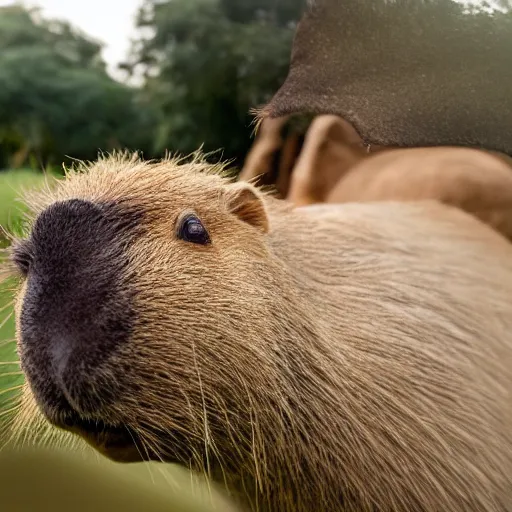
331,148
476,181
353,357
303,171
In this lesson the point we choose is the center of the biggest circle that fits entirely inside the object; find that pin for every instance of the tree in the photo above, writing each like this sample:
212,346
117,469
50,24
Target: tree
56,99
207,63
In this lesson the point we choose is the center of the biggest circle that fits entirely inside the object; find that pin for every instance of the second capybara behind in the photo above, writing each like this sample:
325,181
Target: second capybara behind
303,171
476,181
335,166
349,357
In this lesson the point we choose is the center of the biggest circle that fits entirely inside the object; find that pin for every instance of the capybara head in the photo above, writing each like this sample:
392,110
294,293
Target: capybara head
136,277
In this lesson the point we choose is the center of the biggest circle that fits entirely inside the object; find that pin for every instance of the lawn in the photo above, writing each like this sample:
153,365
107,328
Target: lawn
10,378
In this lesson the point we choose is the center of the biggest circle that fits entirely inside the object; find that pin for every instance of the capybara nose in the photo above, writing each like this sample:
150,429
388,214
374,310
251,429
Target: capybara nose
76,310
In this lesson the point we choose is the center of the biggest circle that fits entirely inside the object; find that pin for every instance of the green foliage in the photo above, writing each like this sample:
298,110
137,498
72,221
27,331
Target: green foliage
207,63
24,28
56,98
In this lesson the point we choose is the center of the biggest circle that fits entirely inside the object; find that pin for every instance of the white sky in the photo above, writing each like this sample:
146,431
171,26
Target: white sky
109,21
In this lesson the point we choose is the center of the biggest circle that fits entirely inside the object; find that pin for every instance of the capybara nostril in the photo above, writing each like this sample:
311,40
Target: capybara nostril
76,311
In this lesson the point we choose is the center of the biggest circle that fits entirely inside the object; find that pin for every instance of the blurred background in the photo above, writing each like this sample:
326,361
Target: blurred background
148,75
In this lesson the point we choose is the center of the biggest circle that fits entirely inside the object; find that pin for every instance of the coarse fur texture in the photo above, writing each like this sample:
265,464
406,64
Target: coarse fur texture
349,357
400,79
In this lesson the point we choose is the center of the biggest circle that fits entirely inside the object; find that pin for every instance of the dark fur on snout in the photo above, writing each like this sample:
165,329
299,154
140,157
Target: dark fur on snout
77,313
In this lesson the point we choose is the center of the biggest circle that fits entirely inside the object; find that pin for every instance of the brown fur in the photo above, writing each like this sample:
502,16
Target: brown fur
475,181
349,357
334,167
259,162
331,148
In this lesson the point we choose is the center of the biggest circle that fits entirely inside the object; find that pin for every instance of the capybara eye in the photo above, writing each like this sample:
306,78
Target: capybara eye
192,230
22,257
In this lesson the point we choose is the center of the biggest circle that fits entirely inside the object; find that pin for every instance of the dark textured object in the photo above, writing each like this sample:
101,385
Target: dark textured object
77,312
404,72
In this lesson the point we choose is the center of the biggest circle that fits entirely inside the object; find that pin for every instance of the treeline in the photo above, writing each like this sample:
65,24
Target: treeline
204,64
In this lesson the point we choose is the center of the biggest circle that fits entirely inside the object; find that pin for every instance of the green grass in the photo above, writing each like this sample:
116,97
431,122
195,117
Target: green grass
10,377
12,184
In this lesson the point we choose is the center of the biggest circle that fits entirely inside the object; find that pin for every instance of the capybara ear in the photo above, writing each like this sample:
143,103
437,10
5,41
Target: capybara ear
246,202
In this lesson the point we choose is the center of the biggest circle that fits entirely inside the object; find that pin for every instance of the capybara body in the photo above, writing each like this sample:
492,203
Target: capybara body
349,357
335,167
463,177
475,181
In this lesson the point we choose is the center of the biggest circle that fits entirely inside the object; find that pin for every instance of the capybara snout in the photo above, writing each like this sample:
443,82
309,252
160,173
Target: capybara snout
77,310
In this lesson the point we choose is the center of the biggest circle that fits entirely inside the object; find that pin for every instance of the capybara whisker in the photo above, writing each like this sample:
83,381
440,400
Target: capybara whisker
10,374
11,389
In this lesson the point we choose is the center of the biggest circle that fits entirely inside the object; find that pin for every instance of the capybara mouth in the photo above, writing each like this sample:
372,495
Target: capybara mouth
118,442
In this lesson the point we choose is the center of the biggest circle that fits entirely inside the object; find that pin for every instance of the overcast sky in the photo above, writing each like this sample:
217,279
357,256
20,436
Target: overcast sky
110,21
